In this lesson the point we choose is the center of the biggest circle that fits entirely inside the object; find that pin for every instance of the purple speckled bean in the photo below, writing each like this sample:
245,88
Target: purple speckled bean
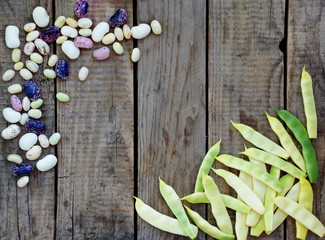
29,48
35,126
33,91
83,42
16,103
62,69
119,18
81,8
101,53
50,34
22,169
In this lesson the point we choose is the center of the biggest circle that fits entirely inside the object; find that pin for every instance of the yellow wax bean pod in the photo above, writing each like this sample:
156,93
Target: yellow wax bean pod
175,205
280,215
218,208
258,228
309,103
228,201
286,142
206,227
305,199
300,214
287,182
206,164
260,140
246,194
268,203
251,169
160,220
273,160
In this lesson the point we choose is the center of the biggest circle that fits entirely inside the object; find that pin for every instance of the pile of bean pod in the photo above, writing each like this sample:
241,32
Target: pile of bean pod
26,112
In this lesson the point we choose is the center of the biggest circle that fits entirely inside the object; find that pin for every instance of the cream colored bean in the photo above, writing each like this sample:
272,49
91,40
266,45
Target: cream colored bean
61,39
83,73
60,21
12,36
85,23
155,27
85,32
43,141
15,158
40,17
126,31
69,31
26,74
117,47
29,48
109,38
23,181
42,47
34,153
12,131
46,163
16,55
135,55
27,141
71,22
15,88
28,27
55,138
70,49
118,34
36,57
32,36
18,66
8,75
26,104
62,97
24,117
35,113
49,73
53,60
140,31
99,31
32,66
37,103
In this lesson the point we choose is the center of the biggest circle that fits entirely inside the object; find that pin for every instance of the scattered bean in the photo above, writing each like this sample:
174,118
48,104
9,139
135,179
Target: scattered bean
55,138
32,66
99,31
135,55
60,21
126,31
33,91
11,115
85,23
83,73
101,53
70,50
49,73
8,75
62,97
27,141
12,131
25,74
35,113
85,32
34,153
15,88
29,48
117,47
23,181
140,31
155,27
61,39
53,60
118,34
40,17
42,46
36,57
16,103
28,27
83,42
15,55
62,69
18,66
22,169
14,158
26,104
71,22
32,36
119,18
50,34
24,118
81,8
43,141
12,36
69,31
35,126
37,103
109,38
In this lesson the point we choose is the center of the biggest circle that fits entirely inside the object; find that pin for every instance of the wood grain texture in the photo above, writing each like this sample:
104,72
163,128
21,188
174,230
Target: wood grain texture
171,103
245,72
23,211
306,34
95,170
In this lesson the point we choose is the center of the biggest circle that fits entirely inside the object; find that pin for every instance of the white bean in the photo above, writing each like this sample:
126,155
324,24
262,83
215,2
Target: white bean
118,34
43,141
8,75
29,48
85,23
55,138
14,158
15,88
28,27
85,32
83,73
53,60
49,73
140,31
36,57
24,117
69,31
27,141
117,47
11,115
23,181
25,74
15,55
32,36
40,17
18,66
109,38
35,113
26,104
135,55
42,46
32,66
12,131
12,36
70,49
47,163
99,31
34,153
156,27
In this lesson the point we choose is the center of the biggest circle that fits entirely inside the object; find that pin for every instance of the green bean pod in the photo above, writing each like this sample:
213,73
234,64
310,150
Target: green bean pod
258,229
300,133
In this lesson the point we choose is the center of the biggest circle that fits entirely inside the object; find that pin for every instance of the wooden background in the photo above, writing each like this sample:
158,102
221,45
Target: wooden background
128,124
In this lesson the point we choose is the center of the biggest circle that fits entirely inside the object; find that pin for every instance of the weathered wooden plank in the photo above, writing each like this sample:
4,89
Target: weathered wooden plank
26,213
171,103
306,27
95,171
245,72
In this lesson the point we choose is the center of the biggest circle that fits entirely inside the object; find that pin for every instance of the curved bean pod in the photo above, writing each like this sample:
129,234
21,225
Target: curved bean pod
258,229
302,137
260,140
287,182
206,164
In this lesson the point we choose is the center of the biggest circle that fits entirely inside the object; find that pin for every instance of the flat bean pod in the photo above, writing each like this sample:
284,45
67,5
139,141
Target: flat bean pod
273,160
206,164
260,140
251,169
286,182
258,229
159,220
301,215
287,142
176,207
309,103
206,227
302,137
246,194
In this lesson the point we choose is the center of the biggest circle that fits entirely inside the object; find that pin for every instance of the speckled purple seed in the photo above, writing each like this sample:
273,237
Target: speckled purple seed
50,34
22,169
83,42
81,8
118,19
62,69
33,91
16,103
35,126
